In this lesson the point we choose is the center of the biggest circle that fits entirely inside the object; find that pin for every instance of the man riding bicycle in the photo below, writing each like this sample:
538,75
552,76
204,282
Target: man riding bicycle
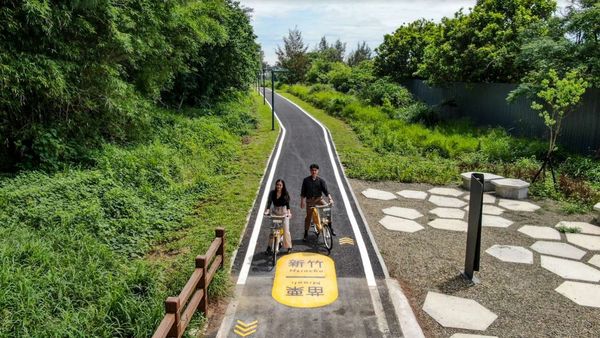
313,189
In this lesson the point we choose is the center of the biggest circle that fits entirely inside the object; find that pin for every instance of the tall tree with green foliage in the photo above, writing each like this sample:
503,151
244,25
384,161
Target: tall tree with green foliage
293,57
360,54
481,46
401,53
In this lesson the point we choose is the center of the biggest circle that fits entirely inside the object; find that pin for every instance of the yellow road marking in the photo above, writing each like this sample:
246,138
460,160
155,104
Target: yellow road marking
244,329
305,280
346,240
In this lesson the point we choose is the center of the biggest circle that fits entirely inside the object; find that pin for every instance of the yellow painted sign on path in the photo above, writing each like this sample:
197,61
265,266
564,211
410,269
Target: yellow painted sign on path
305,280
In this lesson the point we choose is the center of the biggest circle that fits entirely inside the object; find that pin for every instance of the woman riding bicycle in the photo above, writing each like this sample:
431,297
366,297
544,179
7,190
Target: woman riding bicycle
280,199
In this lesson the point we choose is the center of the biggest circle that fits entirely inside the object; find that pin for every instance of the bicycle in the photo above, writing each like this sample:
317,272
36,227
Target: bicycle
320,223
276,240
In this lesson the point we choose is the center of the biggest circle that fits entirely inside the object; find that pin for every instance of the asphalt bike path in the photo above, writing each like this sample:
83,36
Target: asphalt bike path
368,304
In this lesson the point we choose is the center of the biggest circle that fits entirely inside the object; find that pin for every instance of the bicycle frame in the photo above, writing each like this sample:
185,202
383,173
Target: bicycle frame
276,234
321,219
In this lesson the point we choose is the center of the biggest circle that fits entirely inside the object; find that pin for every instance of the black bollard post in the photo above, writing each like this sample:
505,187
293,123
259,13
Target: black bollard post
474,231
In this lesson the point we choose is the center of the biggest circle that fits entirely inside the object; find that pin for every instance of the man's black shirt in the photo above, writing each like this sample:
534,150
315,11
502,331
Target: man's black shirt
313,188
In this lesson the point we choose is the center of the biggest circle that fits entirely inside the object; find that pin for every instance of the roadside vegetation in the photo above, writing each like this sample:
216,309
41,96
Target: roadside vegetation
411,142
126,136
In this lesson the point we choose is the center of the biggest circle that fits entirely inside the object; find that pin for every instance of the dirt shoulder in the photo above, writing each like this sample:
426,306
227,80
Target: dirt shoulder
522,295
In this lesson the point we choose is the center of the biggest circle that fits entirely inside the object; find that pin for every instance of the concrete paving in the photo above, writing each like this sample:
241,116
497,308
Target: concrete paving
510,253
451,202
597,207
595,260
379,194
570,269
490,210
448,213
558,249
487,198
540,232
467,335
585,241
446,191
402,212
517,205
511,188
413,194
586,228
400,224
449,224
581,293
495,221
456,312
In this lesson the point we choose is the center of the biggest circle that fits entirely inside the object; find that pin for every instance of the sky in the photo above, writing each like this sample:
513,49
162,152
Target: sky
351,21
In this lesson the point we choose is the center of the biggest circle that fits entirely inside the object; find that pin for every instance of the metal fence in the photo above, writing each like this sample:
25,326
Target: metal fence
485,104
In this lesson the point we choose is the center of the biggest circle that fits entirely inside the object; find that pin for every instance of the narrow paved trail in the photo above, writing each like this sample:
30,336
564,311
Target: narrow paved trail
363,307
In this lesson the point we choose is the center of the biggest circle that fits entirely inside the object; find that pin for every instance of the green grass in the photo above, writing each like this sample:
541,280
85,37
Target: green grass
567,229
96,252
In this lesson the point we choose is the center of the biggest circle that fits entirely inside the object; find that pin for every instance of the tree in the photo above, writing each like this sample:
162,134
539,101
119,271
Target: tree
293,57
329,52
554,97
481,46
360,54
401,53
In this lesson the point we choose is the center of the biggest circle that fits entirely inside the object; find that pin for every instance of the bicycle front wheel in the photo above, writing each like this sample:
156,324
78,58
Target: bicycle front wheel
327,238
275,248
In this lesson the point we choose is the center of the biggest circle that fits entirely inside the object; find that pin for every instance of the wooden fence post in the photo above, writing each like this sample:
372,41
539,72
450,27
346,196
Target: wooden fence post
202,263
220,232
172,306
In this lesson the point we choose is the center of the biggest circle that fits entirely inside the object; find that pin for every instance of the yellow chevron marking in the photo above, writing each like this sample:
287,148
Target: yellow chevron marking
247,324
346,240
244,334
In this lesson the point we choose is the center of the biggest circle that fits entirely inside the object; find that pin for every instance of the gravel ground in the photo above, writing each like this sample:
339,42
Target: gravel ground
521,295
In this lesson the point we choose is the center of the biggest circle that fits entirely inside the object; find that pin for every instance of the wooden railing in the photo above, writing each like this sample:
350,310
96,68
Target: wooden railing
195,291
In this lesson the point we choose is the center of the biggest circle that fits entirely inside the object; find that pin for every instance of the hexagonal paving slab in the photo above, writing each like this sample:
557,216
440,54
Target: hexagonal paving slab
466,335
487,198
495,221
402,212
451,202
449,224
378,194
586,228
510,253
446,191
585,241
581,293
570,269
558,249
489,210
517,205
461,313
400,224
414,194
595,260
448,213
540,232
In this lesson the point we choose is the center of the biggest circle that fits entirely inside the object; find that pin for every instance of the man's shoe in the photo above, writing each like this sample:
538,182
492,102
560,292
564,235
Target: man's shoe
305,236
333,233
289,250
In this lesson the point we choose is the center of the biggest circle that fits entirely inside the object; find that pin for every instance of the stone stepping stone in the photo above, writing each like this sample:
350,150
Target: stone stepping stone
400,224
487,198
490,210
495,221
414,194
581,293
518,205
597,207
378,194
451,202
456,312
558,249
449,224
466,335
446,191
540,232
595,260
402,212
511,188
448,213
586,228
487,180
570,269
585,241
510,253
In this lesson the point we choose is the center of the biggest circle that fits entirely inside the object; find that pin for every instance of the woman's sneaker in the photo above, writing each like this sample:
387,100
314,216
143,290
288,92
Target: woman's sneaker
269,251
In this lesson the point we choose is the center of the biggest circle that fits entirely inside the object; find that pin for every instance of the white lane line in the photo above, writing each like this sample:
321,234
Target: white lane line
259,216
362,248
